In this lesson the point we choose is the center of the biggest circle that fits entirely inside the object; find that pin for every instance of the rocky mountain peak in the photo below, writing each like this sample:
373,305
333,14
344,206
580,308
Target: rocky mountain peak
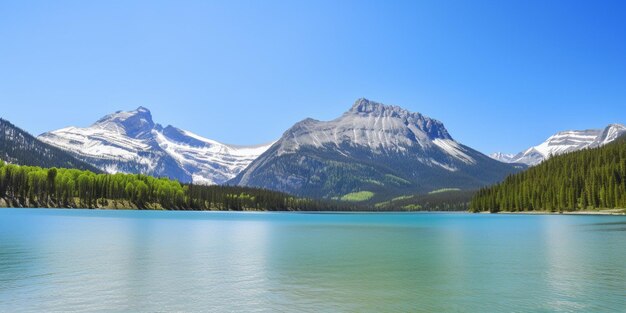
365,106
142,109
136,124
610,133
416,121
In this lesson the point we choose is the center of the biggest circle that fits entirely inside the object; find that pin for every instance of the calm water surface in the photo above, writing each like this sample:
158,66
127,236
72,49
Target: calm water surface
85,260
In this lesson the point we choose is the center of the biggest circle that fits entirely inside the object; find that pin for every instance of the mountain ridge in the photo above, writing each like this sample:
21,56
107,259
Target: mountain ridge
564,142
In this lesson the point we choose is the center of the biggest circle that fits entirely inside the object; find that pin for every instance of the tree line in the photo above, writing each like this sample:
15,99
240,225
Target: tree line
60,187
587,179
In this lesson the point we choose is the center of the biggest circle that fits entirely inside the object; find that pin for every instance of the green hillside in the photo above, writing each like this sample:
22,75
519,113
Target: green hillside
447,199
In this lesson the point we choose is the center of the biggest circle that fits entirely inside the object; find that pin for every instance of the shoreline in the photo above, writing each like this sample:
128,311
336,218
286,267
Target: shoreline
609,212
615,212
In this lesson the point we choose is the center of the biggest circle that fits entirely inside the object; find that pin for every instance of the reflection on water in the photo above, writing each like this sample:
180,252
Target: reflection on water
80,260
606,223
606,226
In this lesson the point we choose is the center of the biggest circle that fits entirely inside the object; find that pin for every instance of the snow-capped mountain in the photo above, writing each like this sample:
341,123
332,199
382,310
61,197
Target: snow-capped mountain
130,142
370,147
563,142
503,157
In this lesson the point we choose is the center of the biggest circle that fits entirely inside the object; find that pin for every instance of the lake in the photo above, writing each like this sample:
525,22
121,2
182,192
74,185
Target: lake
91,260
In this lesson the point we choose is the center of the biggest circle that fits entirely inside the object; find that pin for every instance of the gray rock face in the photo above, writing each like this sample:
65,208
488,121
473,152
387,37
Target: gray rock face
371,146
131,142
374,126
564,142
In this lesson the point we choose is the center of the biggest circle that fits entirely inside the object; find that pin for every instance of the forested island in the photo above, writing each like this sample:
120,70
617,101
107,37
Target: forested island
588,179
32,186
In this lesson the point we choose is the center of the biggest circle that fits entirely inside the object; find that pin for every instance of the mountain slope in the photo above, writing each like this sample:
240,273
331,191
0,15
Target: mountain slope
19,147
582,180
564,142
131,142
379,148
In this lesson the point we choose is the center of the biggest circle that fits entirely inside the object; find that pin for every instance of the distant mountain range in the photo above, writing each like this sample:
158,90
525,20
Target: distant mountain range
18,146
373,152
131,142
564,142
373,148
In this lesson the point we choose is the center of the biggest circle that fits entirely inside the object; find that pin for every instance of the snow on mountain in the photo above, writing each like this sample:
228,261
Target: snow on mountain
610,133
130,142
564,142
209,161
503,157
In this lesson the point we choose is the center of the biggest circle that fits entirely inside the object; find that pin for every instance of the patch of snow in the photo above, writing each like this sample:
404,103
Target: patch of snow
444,166
452,148
502,157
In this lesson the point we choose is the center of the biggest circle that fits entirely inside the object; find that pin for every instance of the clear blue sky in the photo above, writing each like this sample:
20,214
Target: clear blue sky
501,75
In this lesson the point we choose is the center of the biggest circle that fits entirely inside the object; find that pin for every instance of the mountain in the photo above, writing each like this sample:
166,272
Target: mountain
564,142
130,142
19,147
381,149
503,157
587,179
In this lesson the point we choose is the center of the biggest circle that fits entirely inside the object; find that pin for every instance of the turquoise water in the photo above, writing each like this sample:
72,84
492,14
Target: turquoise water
85,260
